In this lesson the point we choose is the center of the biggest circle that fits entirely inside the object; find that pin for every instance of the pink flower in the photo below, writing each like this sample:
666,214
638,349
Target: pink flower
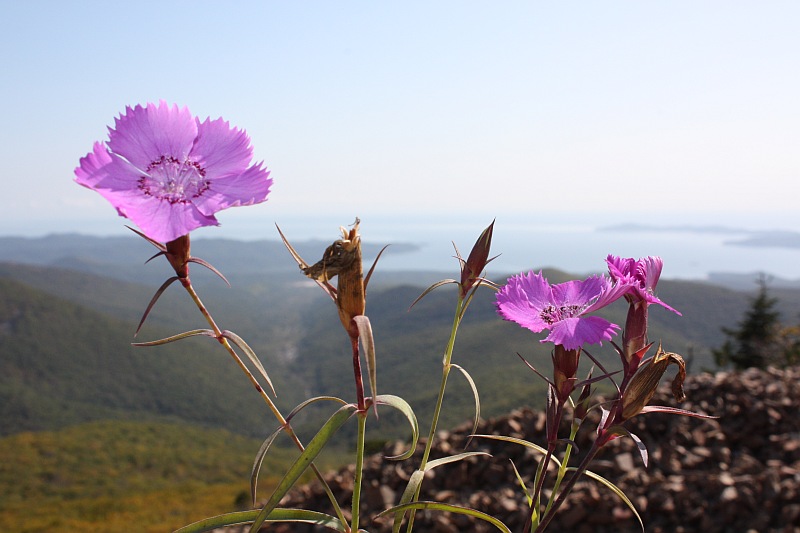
530,301
641,274
169,173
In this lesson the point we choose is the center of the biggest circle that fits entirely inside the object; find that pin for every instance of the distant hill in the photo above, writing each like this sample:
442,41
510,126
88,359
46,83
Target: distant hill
63,364
65,355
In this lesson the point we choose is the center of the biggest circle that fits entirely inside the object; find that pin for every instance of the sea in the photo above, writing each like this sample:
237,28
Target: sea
691,248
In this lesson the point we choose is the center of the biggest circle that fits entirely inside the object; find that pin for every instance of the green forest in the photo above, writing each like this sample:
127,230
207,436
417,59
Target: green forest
97,434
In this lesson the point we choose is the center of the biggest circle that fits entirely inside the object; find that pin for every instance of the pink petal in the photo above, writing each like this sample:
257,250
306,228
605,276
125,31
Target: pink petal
579,293
144,134
522,299
220,149
573,333
93,166
250,187
119,175
158,219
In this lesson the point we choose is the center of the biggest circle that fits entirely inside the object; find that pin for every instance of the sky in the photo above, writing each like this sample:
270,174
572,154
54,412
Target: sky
659,112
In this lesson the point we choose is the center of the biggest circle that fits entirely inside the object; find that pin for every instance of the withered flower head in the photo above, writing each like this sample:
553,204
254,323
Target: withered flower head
342,259
644,384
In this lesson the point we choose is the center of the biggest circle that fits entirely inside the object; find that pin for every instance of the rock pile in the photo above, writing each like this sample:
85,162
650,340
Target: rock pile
740,473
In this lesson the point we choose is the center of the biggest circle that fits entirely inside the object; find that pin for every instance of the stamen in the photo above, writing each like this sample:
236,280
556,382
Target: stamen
169,179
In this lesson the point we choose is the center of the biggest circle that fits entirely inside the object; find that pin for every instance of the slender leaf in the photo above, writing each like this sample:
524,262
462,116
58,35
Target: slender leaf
436,506
477,401
431,288
301,464
414,483
522,484
277,515
262,451
372,268
522,442
154,299
259,460
251,354
368,342
616,490
327,287
674,411
639,444
402,406
179,336
452,459
209,266
534,370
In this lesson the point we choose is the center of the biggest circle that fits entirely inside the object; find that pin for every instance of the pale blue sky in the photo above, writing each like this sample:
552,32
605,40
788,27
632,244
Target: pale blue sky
677,110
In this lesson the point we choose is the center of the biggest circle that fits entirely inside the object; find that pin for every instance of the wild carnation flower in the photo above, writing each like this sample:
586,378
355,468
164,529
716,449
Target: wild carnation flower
169,173
530,301
641,274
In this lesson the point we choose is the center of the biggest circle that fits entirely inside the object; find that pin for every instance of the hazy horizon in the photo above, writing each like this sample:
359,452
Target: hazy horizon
690,251
677,111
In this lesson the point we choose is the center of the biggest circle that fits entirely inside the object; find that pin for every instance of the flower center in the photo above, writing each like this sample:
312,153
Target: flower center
552,314
172,180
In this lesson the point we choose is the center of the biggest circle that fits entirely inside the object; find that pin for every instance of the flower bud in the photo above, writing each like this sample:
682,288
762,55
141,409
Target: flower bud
565,368
472,268
634,336
177,253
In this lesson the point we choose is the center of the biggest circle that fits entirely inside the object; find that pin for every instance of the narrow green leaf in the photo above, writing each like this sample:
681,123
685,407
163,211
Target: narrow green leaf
402,406
262,451
477,400
301,464
368,342
179,336
277,515
259,460
522,442
616,490
522,483
408,494
452,459
436,506
251,354
431,288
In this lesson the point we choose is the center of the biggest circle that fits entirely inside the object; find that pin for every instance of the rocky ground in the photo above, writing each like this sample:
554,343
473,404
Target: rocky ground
740,473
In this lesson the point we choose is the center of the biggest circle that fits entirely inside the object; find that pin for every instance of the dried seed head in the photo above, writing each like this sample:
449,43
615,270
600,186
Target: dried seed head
644,384
342,259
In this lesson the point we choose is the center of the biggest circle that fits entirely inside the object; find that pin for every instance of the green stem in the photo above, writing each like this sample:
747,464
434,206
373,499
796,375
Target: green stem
362,427
548,516
264,396
563,468
448,355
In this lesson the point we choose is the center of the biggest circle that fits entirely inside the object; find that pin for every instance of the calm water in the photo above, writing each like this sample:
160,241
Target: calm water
575,246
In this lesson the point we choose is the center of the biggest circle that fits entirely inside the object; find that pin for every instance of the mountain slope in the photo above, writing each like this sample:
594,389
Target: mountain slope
61,364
